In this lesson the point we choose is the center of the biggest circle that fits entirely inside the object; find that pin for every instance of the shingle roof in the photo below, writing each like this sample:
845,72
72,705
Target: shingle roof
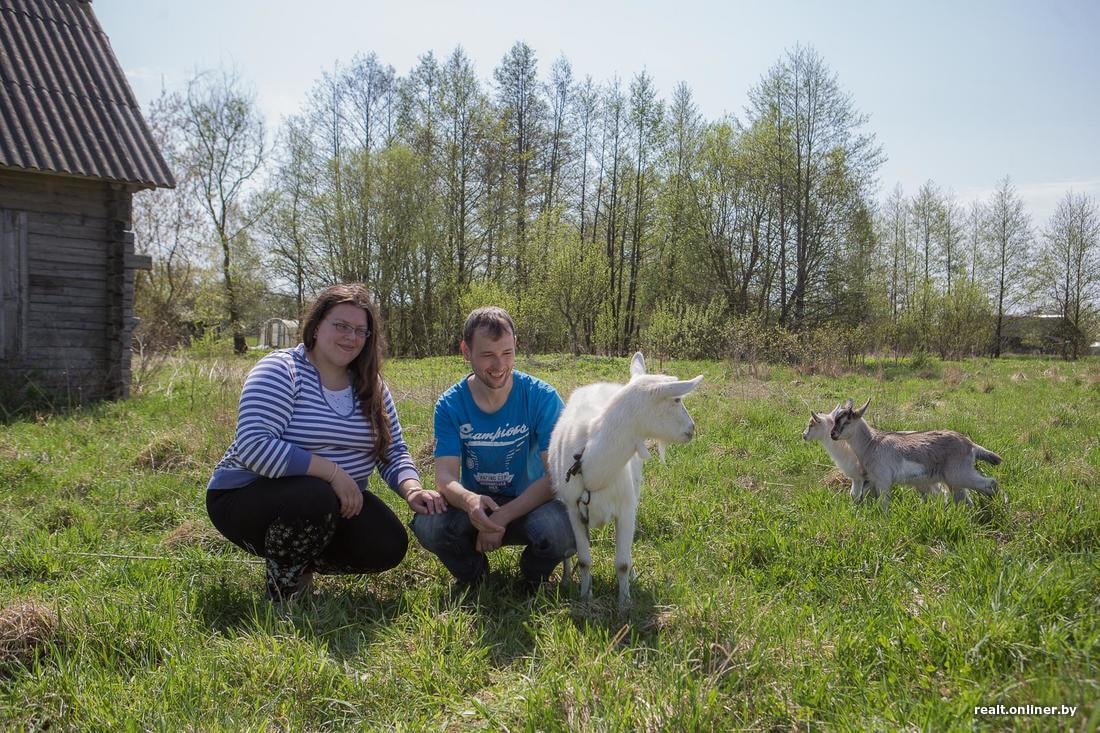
65,104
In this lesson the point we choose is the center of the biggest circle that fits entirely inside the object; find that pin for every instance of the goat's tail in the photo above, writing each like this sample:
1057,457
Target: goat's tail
988,456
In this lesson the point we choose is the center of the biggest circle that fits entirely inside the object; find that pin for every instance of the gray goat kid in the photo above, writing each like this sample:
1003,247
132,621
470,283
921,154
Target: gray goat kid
844,458
919,459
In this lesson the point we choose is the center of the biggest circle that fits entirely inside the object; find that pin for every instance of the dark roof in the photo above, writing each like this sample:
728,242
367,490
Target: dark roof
66,106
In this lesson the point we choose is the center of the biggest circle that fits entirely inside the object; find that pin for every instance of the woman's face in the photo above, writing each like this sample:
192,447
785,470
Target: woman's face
342,334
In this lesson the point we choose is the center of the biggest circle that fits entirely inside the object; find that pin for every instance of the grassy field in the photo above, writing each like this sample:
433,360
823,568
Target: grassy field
765,600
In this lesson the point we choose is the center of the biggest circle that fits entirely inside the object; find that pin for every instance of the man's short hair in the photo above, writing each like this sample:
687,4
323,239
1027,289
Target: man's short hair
493,319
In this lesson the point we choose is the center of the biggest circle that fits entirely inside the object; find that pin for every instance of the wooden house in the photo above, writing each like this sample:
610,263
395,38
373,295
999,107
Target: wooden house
73,150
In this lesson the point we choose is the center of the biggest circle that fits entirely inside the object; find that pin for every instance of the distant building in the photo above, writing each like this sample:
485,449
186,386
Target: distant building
74,149
1040,333
278,333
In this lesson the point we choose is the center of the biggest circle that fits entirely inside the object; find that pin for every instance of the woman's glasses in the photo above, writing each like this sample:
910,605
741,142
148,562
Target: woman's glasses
346,329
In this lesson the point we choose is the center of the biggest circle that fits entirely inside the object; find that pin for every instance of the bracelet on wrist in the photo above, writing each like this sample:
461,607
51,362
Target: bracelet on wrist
332,476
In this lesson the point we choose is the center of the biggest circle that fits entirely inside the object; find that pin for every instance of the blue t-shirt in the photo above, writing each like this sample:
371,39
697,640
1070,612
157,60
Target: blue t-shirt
499,451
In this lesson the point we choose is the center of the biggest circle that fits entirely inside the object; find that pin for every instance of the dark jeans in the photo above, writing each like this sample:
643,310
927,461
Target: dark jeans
544,532
294,523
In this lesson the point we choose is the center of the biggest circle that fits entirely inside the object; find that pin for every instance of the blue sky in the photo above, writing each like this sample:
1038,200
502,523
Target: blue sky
962,93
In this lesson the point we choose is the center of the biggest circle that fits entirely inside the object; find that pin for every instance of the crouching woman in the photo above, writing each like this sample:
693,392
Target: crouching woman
313,423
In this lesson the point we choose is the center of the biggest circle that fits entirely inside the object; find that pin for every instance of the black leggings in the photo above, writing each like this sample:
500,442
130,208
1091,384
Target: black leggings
294,523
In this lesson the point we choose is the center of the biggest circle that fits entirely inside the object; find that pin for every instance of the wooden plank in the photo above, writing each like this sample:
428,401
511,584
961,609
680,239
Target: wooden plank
73,340
62,357
95,273
74,244
82,298
14,288
56,283
48,226
91,204
67,257
139,262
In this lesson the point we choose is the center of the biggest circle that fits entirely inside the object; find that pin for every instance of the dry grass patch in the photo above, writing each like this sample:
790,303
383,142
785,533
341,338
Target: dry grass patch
166,453
194,534
24,627
424,459
954,376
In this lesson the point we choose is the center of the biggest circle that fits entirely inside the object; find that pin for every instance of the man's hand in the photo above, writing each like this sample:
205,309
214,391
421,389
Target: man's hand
488,541
347,491
477,508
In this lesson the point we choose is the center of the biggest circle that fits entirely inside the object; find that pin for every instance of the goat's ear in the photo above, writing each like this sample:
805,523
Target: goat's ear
637,364
679,389
860,411
848,404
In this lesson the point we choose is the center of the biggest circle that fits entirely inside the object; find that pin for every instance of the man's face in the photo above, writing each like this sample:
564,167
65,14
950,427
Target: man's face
491,361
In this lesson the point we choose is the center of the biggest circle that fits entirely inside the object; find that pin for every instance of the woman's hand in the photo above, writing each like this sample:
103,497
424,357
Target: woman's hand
348,492
425,501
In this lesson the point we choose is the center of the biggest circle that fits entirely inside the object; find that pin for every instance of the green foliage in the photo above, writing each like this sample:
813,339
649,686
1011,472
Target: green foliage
213,344
682,330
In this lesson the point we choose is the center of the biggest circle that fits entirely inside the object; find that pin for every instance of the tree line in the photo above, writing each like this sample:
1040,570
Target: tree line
602,216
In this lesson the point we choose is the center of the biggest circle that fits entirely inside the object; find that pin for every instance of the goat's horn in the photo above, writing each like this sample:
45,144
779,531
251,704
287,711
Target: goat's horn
860,411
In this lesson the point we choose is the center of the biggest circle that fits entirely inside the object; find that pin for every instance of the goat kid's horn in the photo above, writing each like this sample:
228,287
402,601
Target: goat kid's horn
860,411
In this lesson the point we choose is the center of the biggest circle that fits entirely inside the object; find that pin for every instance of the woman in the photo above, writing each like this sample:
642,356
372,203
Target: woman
313,423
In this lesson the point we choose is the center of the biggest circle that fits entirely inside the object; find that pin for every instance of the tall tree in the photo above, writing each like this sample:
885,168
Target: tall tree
225,150
646,116
826,163
522,111
950,228
1070,268
168,226
1009,237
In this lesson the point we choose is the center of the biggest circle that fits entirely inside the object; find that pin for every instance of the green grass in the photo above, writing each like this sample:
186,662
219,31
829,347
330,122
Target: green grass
765,600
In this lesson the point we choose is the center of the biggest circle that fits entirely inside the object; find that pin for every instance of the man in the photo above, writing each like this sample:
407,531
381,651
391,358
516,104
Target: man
492,433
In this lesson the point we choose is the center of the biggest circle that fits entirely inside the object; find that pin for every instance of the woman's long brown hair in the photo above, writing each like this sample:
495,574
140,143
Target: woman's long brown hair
366,367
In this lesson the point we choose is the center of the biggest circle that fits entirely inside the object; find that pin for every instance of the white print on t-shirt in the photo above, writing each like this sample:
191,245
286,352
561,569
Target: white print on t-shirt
498,437
494,480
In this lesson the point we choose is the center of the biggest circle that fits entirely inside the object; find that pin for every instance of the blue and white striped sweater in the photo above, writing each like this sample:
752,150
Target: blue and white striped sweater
283,419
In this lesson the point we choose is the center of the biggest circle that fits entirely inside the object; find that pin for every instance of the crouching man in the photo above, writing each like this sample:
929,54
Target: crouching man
492,432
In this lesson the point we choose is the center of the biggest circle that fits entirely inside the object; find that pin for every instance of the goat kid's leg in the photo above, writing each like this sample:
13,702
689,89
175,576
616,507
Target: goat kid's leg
624,542
856,492
884,496
584,552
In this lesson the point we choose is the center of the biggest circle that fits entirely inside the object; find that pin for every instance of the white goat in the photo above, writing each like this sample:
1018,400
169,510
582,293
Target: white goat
819,429
919,459
596,454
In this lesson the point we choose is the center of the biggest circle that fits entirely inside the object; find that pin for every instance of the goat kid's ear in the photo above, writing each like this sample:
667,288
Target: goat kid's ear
637,364
848,404
860,411
681,388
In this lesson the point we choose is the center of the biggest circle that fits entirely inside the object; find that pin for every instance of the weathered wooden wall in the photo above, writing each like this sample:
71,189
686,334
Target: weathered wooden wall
77,310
